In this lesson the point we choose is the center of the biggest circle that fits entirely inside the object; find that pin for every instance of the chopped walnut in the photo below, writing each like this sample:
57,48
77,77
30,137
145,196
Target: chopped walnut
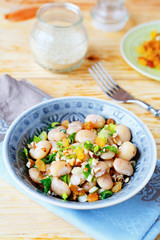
110,120
116,139
31,162
74,196
67,152
71,161
76,190
94,161
78,163
118,177
109,140
93,197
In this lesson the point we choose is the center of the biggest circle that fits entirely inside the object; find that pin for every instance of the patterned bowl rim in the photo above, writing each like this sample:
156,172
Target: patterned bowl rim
70,204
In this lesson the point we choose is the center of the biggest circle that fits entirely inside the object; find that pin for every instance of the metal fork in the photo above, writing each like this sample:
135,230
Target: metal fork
114,91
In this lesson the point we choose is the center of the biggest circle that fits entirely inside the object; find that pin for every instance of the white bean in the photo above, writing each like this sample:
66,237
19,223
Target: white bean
57,134
54,146
97,120
77,179
74,127
100,169
110,162
85,135
127,151
88,185
123,133
60,168
105,181
75,144
107,155
59,187
35,175
122,166
40,149
48,166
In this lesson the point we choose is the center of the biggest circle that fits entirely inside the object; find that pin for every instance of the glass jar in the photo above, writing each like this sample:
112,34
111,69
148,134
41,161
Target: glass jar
110,15
59,40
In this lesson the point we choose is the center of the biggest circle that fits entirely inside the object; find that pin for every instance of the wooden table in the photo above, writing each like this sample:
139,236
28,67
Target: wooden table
20,217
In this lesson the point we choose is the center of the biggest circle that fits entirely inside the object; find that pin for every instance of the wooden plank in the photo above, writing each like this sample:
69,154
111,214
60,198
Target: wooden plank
21,218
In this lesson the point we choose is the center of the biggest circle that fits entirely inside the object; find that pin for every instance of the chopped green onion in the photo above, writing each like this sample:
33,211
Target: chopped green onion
77,170
43,135
62,130
103,134
64,196
44,160
29,141
53,125
109,148
71,137
94,179
89,169
90,161
111,133
80,146
73,147
82,198
96,149
46,183
90,178
61,152
100,191
51,158
93,189
26,152
88,145
36,139
86,173
59,143
105,194
112,128
65,178
71,156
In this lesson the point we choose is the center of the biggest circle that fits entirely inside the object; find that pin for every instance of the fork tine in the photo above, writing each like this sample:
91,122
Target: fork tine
108,76
101,79
105,80
98,81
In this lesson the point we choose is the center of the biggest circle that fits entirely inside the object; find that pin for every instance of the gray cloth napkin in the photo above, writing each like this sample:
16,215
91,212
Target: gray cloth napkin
16,97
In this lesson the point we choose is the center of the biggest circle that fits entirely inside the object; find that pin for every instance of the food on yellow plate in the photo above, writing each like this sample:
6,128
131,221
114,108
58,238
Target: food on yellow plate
82,162
149,51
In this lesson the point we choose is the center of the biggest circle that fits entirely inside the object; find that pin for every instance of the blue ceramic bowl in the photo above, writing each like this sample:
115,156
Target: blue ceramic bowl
37,119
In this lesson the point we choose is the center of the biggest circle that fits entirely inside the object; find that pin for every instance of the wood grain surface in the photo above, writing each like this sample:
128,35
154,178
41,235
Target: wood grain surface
20,217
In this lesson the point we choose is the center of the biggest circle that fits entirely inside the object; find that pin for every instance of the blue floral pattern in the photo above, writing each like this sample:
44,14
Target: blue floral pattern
3,126
151,192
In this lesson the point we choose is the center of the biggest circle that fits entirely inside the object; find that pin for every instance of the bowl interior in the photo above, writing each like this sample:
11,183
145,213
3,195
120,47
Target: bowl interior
37,119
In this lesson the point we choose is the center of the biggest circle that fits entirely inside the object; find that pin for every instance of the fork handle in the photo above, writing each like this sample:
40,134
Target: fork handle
155,112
